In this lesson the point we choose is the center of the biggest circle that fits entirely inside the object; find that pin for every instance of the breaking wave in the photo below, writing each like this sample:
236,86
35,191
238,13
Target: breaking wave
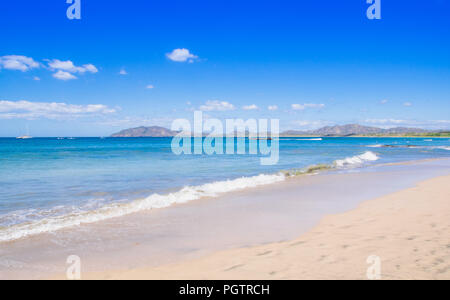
356,160
154,201
158,201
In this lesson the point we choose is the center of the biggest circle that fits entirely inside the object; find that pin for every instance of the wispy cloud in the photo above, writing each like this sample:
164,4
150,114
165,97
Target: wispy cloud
134,121
250,107
123,72
150,87
49,110
216,105
18,62
384,101
407,104
272,107
181,55
386,121
306,106
389,123
309,124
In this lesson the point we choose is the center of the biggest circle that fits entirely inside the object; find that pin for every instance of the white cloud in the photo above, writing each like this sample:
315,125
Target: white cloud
150,86
385,121
389,123
250,107
63,75
407,104
18,62
384,101
123,72
35,78
307,105
66,69
215,105
134,121
309,125
181,55
50,110
90,68
272,107
68,66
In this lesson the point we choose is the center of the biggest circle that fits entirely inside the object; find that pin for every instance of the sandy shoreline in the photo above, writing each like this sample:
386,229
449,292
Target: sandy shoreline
407,230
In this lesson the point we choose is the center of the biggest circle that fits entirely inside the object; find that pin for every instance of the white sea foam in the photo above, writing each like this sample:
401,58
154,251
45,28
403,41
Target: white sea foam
434,147
154,201
442,147
356,160
312,139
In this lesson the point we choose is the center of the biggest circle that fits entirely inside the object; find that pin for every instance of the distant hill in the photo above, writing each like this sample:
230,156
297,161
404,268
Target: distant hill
346,130
405,130
339,130
154,131
354,129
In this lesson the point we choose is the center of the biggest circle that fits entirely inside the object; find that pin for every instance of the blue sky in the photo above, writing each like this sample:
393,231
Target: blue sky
308,63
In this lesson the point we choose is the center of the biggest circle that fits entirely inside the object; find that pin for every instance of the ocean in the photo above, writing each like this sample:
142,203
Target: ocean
48,184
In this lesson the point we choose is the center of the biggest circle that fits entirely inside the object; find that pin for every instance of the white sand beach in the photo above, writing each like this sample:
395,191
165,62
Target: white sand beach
408,230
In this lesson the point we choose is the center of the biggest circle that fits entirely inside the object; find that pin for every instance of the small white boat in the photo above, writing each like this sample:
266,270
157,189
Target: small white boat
24,137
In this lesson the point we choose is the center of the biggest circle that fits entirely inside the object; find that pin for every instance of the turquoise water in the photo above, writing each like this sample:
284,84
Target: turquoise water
45,178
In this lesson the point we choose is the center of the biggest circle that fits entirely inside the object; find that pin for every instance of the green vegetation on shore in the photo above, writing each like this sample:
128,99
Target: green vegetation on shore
424,134
382,135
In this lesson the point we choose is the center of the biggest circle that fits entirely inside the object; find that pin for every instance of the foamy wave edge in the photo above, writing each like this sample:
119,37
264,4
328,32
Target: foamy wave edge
349,162
356,160
154,201
158,201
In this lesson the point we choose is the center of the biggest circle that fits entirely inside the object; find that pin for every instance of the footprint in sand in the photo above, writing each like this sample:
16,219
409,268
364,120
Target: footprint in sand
264,253
234,267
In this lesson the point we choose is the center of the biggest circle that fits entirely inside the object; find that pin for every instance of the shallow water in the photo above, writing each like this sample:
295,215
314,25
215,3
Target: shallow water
48,184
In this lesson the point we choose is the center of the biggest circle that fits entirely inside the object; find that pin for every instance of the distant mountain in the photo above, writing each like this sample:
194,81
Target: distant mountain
405,130
354,129
346,130
154,131
339,130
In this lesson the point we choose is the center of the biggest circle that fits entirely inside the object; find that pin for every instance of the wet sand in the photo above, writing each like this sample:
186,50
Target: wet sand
408,231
